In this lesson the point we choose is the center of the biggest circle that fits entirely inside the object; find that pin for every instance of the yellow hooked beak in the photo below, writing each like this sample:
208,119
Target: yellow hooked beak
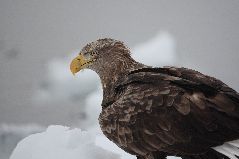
78,64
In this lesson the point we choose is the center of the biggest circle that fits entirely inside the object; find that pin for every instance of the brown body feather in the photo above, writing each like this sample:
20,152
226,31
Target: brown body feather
176,111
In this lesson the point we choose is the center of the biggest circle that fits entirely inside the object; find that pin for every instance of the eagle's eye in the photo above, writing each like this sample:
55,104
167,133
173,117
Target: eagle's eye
87,55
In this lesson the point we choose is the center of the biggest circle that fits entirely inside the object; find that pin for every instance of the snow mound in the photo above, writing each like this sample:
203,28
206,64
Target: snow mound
59,142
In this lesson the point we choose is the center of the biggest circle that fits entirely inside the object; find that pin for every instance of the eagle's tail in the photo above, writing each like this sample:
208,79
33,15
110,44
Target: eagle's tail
229,149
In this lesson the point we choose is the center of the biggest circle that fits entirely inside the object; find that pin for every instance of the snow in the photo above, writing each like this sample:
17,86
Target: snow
59,142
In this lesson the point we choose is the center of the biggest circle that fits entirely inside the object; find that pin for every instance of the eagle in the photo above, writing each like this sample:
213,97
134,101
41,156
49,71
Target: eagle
153,112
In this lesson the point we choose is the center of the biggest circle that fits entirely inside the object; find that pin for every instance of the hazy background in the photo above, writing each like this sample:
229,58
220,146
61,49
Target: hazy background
36,35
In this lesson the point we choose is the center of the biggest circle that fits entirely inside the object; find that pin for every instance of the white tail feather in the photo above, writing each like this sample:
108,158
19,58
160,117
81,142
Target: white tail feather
229,149
234,143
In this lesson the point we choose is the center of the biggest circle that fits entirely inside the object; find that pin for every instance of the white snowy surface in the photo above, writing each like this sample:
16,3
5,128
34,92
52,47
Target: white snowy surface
59,142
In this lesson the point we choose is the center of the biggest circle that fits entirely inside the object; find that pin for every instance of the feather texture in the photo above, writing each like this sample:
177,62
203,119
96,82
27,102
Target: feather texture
174,113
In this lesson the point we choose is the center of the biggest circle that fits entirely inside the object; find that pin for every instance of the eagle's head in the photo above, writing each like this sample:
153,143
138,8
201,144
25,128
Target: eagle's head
100,54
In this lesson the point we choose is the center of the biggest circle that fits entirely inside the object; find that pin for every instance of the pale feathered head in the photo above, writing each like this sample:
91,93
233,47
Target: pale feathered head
100,54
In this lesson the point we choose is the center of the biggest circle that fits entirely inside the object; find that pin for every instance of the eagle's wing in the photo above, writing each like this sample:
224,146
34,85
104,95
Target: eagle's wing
180,110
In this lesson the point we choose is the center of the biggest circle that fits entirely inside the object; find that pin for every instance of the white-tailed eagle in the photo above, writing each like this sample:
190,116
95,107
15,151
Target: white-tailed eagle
157,112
